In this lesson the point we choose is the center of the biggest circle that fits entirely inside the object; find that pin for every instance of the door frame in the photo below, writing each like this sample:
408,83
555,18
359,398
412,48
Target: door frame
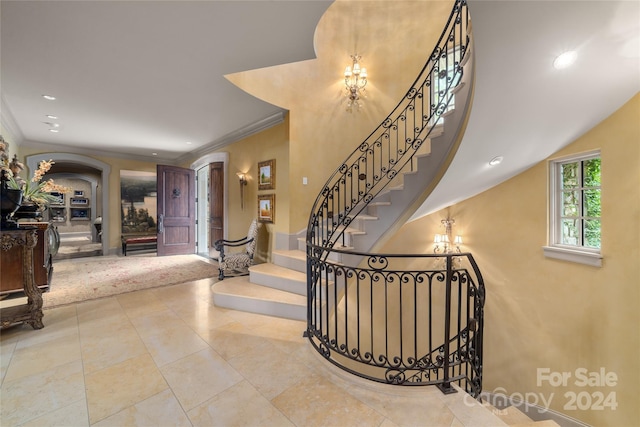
204,162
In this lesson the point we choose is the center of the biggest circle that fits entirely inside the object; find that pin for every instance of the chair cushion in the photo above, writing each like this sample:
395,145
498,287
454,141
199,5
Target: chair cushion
235,261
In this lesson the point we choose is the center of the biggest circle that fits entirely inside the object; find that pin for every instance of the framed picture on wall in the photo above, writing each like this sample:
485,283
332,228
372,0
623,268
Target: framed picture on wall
59,199
266,207
138,202
267,175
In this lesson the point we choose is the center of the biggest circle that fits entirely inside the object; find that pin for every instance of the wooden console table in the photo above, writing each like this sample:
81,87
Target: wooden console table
20,242
11,279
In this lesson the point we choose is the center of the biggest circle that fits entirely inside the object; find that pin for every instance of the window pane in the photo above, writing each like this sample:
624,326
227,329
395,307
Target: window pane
592,233
571,203
570,175
571,232
592,203
591,173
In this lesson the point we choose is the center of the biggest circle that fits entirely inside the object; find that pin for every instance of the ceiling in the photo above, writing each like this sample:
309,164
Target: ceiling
141,77
524,109
144,77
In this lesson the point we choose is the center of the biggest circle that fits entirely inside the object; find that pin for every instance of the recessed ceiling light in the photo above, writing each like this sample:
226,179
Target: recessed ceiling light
54,130
565,60
51,116
154,154
189,142
49,97
496,160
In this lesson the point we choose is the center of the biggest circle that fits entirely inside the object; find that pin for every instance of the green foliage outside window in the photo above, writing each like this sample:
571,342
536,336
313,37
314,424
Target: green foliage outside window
581,208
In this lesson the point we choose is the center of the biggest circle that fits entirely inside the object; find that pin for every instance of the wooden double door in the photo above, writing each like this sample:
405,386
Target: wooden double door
177,214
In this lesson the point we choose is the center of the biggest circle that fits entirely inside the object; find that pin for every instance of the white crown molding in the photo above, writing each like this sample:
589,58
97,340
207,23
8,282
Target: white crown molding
236,136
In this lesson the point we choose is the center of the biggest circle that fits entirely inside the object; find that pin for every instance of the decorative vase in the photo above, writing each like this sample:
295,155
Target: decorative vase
9,202
28,210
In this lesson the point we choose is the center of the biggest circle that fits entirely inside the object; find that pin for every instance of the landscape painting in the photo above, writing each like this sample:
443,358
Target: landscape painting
266,208
267,175
138,202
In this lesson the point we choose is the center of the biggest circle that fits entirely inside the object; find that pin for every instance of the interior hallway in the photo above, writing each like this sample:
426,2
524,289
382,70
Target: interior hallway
167,356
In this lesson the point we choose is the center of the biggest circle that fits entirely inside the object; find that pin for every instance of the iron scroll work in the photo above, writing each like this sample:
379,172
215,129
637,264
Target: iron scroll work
391,322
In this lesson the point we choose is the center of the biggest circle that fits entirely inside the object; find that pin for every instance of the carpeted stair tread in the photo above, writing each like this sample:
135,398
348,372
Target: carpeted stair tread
241,287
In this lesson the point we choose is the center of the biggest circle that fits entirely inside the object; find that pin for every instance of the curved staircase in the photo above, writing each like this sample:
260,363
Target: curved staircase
274,288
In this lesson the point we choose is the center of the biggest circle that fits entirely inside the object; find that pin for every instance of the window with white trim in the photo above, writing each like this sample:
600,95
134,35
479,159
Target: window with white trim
575,210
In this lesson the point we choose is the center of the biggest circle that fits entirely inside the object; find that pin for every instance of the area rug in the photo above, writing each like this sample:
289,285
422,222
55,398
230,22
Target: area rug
83,279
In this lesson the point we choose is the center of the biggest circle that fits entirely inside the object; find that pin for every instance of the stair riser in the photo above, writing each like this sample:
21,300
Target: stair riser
269,308
277,282
288,262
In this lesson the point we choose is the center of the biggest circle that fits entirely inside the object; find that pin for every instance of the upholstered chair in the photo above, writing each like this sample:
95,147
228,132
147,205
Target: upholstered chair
237,263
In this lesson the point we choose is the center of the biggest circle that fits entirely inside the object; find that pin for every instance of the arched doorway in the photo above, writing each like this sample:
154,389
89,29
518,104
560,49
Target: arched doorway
34,160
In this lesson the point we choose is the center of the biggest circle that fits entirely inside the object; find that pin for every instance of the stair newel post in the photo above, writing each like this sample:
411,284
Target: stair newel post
445,385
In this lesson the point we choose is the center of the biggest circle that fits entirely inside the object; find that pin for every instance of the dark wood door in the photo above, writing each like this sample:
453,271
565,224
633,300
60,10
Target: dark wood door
216,199
176,210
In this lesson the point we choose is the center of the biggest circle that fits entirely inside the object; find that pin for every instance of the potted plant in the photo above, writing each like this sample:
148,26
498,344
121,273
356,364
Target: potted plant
36,193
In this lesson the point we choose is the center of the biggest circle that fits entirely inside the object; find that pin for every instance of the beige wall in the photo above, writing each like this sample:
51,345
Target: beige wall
322,132
546,313
244,156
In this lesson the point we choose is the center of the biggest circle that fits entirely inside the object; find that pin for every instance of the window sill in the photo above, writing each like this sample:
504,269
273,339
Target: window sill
573,255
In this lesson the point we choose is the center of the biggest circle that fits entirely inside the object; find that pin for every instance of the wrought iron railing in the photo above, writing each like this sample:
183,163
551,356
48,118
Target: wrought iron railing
400,319
389,149
396,318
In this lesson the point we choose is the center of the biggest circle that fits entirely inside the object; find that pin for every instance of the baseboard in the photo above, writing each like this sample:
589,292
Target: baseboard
535,412
286,242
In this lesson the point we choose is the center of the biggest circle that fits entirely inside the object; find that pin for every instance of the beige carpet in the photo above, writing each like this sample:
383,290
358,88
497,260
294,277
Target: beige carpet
85,279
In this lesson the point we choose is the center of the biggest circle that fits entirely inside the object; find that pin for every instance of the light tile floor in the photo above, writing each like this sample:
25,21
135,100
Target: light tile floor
167,356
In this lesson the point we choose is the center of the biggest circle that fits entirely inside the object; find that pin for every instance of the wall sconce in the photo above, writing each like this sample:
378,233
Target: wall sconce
243,181
447,238
355,79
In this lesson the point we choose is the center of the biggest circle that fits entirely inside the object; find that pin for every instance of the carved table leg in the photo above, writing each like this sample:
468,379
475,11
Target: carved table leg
33,292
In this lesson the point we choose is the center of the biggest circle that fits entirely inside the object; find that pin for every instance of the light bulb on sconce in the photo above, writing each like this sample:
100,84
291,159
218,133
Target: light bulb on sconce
355,79
243,181
446,239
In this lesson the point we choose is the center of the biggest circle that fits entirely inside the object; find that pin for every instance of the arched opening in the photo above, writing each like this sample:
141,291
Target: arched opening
102,187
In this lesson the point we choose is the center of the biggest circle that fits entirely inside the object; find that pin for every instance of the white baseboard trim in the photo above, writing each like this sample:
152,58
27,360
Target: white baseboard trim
535,412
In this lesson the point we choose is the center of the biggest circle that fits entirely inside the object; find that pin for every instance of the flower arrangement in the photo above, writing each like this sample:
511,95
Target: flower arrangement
4,156
35,190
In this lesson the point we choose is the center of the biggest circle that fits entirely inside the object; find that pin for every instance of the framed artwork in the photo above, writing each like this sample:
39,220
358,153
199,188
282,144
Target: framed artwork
266,208
138,202
81,201
59,198
267,175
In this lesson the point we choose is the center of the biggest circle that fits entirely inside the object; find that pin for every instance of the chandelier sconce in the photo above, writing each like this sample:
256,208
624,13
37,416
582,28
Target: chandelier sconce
243,181
447,239
355,79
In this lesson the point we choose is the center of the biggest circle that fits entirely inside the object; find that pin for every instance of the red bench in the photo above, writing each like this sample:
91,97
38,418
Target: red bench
139,243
